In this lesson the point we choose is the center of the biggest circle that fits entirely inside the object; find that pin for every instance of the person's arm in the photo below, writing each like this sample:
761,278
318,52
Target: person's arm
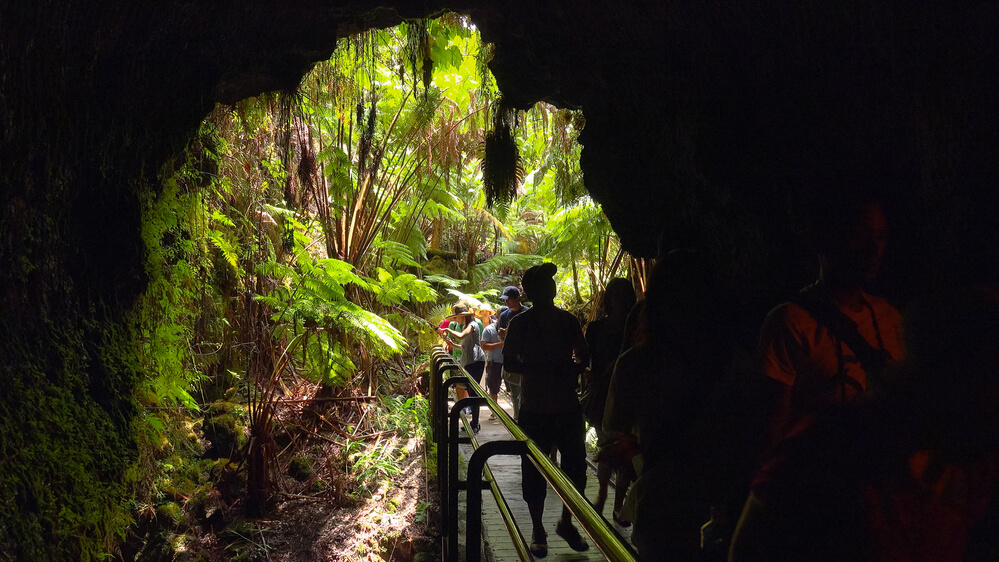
581,351
464,333
781,352
491,345
757,536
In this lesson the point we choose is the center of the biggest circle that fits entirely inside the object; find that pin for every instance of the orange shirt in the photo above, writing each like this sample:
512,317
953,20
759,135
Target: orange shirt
801,353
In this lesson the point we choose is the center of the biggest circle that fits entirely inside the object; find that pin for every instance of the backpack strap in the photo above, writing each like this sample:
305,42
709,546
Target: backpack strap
844,329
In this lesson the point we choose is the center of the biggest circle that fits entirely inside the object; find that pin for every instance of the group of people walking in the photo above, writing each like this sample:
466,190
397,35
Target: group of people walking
842,437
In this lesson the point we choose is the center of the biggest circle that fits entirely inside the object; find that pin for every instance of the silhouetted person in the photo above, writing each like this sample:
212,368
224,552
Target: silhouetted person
831,343
910,473
545,345
605,337
657,393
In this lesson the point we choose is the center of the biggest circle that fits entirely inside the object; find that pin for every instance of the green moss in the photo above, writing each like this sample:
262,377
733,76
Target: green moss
170,514
225,432
68,444
300,468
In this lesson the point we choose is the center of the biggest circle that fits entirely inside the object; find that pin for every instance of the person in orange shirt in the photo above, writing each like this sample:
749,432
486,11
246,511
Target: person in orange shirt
912,473
831,343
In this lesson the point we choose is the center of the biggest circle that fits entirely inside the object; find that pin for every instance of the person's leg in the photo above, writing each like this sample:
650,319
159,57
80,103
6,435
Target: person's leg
533,485
494,379
621,485
603,473
571,441
475,370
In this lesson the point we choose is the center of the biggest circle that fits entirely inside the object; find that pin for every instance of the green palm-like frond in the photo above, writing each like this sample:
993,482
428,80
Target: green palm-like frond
493,265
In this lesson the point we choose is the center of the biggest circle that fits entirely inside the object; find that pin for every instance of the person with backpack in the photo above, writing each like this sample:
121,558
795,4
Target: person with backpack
910,473
493,348
658,392
513,307
831,343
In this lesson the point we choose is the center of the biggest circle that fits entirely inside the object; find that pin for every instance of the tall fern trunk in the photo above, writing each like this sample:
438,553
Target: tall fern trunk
575,282
436,233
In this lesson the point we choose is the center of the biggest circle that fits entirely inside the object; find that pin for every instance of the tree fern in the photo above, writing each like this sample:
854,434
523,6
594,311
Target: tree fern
493,265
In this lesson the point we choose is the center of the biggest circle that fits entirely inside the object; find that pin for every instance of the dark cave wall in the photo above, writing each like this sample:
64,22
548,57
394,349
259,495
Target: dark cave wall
707,118
714,121
95,97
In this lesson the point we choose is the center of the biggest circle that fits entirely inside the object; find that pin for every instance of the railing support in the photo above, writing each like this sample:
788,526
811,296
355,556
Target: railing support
445,427
473,497
454,481
444,482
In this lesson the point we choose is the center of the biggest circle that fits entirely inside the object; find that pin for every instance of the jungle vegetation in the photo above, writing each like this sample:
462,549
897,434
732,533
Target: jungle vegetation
302,250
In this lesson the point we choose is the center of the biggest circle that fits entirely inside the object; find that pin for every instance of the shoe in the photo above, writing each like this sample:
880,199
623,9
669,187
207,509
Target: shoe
567,531
492,417
598,506
620,521
476,428
539,546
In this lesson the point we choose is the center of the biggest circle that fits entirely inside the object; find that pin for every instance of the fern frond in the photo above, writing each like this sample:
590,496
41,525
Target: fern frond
514,262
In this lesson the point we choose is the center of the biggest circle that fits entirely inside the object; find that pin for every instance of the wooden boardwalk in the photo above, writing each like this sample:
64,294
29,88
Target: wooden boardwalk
497,544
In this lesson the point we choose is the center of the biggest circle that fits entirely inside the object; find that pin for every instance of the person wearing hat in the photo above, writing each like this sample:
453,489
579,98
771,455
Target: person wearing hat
472,358
545,345
492,346
511,296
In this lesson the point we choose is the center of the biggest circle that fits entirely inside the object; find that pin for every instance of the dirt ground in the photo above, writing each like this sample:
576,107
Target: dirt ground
391,525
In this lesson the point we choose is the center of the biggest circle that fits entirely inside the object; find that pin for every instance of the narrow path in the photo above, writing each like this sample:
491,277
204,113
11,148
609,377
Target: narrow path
497,544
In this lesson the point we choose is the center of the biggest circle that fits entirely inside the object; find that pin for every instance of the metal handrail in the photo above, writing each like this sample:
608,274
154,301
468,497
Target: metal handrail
593,524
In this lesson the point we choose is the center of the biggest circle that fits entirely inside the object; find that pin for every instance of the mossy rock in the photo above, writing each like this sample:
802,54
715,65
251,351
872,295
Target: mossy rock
221,408
225,433
300,468
170,514
436,265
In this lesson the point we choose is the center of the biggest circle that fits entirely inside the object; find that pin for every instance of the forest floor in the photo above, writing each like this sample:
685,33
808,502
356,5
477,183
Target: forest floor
361,491
391,525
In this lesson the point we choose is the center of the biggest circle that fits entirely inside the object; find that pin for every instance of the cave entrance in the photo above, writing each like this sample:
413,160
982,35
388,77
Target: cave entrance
397,154
309,239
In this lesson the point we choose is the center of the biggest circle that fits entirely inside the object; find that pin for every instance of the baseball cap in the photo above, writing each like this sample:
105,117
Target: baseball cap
509,292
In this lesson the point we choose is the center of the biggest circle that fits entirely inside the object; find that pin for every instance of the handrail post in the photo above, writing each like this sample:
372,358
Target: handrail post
453,479
443,464
440,413
442,363
473,487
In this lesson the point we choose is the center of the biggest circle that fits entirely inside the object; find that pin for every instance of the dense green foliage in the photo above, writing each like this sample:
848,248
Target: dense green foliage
313,236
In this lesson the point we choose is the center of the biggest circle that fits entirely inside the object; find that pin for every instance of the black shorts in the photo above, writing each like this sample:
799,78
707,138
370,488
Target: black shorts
568,433
494,377
475,370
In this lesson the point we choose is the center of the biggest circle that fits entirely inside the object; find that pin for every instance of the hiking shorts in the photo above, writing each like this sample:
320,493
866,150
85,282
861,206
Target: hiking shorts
494,377
568,433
